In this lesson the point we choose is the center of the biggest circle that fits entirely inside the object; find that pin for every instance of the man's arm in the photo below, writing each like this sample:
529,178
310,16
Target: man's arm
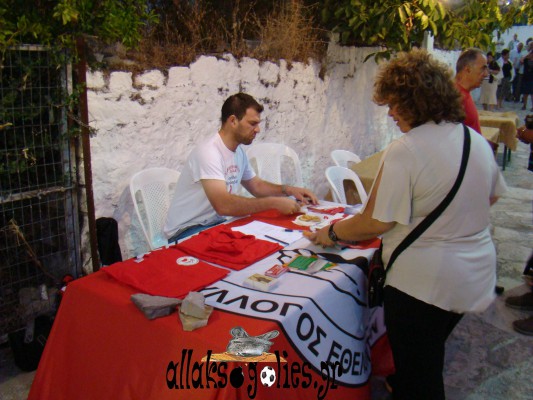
228,204
260,188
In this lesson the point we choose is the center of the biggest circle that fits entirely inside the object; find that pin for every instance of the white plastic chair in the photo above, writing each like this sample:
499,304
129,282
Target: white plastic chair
276,163
343,158
151,191
336,177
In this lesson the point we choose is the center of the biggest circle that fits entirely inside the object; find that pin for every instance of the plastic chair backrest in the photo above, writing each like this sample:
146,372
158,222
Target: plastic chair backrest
276,163
151,191
336,177
343,158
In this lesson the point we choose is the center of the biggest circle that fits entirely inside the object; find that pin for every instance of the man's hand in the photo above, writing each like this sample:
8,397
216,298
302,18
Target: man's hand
302,194
260,188
285,205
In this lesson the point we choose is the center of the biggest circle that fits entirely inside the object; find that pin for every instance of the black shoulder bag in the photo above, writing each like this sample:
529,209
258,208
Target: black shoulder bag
377,272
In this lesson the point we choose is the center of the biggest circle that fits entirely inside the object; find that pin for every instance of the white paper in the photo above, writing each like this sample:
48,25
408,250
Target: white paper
272,233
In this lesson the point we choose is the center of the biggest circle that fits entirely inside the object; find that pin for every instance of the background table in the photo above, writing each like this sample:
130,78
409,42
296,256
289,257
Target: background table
367,169
102,346
506,122
491,134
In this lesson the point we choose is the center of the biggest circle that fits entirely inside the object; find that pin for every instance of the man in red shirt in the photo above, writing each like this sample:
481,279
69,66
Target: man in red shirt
471,69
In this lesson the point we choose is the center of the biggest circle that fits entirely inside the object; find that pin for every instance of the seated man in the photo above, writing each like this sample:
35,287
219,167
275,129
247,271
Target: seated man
214,170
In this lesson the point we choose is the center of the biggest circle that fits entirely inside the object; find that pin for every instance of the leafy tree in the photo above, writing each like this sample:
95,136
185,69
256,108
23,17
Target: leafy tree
398,25
59,22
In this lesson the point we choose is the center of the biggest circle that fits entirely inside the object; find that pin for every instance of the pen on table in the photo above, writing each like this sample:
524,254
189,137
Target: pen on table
277,240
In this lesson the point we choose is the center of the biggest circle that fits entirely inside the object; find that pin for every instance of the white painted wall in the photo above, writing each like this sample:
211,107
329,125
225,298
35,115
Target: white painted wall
524,32
156,118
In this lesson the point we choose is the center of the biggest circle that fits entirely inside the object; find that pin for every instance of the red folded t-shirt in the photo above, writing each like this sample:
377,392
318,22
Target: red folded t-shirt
232,249
166,272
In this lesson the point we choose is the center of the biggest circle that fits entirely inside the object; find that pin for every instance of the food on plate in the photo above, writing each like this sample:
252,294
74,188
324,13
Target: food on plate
309,218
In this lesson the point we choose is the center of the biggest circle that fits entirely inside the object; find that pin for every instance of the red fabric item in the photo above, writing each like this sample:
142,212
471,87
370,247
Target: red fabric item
472,116
329,211
363,244
381,356
273,217
160,275
232,249
102,347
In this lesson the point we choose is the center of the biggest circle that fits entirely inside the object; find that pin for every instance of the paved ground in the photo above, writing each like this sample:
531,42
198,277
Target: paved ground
485,358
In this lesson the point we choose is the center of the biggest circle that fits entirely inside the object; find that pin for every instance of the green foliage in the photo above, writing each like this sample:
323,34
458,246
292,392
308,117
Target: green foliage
398,25
58,23
527,12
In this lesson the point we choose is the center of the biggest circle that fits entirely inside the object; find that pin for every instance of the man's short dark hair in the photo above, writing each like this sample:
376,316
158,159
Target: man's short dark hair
467,57
237,105
505,52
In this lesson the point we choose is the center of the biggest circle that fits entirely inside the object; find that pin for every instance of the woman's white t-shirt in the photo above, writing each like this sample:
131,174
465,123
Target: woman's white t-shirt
453,264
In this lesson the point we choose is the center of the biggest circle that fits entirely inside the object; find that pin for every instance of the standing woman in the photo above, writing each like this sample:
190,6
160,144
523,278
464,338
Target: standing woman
451,268
489,86
504,89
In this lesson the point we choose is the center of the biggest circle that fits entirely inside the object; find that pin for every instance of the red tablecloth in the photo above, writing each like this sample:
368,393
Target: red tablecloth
102,347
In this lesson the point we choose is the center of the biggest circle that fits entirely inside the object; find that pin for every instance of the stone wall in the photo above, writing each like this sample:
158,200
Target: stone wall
156,118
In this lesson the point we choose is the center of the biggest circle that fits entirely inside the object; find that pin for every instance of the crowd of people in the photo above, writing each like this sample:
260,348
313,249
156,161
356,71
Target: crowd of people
510,75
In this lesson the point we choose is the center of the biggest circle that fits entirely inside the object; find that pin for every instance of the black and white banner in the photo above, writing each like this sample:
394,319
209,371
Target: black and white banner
323,315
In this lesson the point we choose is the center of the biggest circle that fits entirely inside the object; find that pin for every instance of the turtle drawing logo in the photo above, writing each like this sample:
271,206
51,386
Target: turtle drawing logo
244,345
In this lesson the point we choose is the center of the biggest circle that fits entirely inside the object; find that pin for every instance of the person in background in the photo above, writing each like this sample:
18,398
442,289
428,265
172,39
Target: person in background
211,178
470,70
489,86
525,135
526,88
504,88
451,268
515,56
513,42
498,46
524,302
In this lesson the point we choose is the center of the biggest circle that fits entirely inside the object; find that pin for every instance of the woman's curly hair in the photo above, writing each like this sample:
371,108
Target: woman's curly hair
421,88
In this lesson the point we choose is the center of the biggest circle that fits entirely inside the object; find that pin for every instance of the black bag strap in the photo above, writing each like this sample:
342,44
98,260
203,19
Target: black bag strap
426,222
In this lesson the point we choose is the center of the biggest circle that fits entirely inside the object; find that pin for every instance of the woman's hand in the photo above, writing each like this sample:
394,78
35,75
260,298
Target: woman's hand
320,237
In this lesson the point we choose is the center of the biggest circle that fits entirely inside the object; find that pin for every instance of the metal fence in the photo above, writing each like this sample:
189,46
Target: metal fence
39,226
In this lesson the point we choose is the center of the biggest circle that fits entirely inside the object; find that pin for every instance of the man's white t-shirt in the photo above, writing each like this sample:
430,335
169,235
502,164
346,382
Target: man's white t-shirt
514,57
453,264
209,160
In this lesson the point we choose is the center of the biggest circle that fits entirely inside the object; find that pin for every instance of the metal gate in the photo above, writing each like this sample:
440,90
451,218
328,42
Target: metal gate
39,224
